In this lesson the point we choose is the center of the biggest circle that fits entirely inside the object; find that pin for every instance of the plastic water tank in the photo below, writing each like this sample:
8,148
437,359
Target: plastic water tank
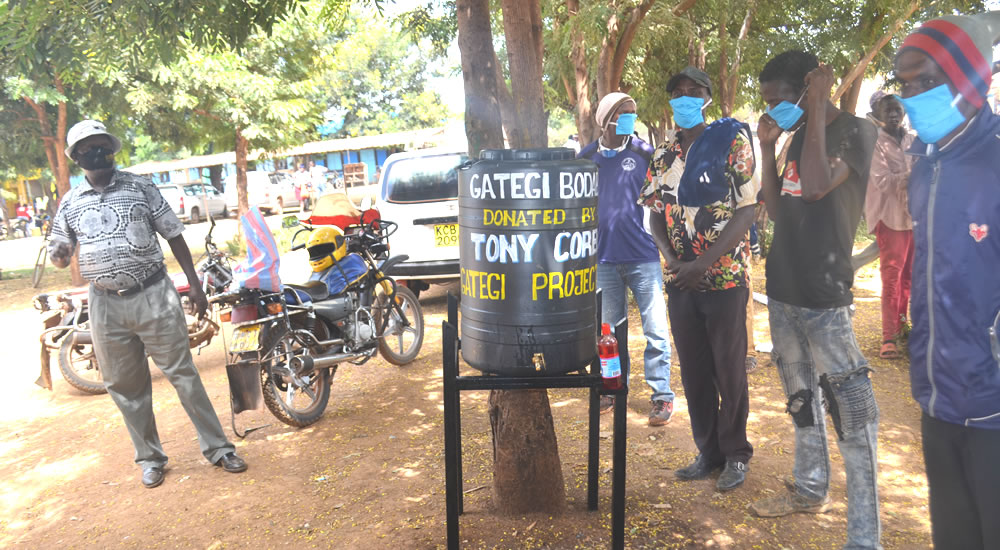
528,254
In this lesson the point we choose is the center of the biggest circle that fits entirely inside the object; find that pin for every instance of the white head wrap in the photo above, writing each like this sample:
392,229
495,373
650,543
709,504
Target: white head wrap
608,105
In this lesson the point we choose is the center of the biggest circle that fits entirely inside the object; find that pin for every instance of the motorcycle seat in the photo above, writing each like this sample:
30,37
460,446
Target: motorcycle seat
317,290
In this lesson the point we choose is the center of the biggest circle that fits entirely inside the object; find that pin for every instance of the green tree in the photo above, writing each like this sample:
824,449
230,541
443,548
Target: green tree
262,97
377,80
52,54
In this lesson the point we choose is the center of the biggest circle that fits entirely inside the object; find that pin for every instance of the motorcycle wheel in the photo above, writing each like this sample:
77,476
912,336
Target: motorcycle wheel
400,343
78,365
294,404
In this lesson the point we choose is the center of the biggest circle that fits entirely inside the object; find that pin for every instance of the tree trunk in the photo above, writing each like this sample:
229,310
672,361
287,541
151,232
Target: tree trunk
527,475
215,176
724,62
483,126
55,152
508,114
586,126
241,173
730,71
522,21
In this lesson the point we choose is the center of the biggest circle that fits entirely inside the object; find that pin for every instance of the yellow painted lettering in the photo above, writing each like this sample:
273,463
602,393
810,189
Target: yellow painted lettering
538,282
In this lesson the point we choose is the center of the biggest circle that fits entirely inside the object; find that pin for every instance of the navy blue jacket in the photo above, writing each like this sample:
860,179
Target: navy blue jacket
955,203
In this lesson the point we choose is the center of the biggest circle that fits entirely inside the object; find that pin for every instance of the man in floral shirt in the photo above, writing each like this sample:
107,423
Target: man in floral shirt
704,188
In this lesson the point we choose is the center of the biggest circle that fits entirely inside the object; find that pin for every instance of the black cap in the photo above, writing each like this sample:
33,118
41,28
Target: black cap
697,75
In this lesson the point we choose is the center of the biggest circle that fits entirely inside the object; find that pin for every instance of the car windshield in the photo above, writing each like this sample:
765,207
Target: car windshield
423,178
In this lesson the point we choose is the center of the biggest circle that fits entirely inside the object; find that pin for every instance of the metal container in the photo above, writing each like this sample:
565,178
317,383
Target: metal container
528,255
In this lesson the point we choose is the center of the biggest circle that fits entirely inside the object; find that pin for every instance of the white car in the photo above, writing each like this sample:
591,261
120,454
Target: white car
272,192
192,202
418,190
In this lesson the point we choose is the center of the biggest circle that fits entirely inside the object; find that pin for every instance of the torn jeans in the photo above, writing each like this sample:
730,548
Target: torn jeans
822,369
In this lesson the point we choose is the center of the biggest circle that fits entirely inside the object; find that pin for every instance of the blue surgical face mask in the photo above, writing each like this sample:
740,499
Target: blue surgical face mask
625,124
787,114
689,111
934,113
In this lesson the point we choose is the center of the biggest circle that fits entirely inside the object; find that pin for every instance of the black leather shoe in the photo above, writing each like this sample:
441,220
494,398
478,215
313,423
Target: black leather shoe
732,476
152,476
232,463
699,469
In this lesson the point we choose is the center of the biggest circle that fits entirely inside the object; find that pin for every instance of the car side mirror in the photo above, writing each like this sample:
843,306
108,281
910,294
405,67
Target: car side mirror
289,221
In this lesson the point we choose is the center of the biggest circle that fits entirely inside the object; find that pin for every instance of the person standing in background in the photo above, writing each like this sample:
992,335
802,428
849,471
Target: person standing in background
887,216
627,256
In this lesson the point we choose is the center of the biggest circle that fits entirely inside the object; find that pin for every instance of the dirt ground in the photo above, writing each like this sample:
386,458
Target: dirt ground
370,474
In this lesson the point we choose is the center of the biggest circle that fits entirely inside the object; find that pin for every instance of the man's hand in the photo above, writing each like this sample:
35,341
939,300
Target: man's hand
60,254
768,130
198,299
819,82
689,275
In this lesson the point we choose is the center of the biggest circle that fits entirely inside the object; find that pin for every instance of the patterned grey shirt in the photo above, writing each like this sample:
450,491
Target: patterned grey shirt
116,229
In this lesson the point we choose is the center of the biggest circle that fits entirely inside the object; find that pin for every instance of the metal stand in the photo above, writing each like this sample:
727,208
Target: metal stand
455,384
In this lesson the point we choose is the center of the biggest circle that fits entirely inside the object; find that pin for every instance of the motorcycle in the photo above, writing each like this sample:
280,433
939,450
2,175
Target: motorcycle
286,346
19,228
66,323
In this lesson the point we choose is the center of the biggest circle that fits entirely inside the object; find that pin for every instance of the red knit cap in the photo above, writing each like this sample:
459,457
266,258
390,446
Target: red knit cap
962,45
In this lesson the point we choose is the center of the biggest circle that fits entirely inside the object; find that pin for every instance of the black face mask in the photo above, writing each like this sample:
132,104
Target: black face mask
97,158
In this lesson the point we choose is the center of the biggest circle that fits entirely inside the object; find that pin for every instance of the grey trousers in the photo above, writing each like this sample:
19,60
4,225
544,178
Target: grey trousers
124,329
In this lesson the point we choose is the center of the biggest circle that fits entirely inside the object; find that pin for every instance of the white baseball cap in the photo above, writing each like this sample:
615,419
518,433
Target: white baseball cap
84,129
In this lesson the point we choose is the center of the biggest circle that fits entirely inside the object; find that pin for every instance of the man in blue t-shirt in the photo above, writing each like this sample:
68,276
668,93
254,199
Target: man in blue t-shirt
628,257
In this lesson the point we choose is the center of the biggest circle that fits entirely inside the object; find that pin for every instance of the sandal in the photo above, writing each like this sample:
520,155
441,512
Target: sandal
889,350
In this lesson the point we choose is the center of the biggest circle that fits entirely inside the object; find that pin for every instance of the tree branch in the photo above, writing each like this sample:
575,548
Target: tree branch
625,40
859,69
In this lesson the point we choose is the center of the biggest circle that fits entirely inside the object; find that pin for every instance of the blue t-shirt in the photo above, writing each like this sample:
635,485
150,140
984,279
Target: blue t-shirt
622,236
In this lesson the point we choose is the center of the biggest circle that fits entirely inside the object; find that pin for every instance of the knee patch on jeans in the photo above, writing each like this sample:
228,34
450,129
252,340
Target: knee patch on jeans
850,400
801,409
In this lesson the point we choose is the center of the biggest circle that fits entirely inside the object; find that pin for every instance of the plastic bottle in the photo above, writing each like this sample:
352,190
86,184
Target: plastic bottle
611,367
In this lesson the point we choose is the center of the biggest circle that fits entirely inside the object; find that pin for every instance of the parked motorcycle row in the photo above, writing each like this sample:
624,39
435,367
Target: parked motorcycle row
285,346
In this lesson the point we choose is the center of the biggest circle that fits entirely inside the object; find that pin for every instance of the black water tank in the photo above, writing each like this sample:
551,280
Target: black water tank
528,252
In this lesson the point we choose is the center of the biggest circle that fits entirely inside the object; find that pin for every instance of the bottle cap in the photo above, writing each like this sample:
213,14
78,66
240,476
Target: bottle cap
605,329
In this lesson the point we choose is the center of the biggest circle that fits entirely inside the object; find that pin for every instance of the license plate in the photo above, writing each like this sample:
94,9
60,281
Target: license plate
245,339
446,234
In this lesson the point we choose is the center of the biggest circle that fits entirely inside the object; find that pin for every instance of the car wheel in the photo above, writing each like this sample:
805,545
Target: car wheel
225,212
195,218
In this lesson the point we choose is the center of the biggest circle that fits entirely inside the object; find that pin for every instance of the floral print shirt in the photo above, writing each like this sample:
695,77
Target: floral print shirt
692,230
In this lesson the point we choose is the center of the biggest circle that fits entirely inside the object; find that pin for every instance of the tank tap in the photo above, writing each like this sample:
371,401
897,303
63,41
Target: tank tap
539,360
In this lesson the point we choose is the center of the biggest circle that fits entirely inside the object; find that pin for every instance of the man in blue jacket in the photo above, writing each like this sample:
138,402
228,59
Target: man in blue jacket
627,254
944,68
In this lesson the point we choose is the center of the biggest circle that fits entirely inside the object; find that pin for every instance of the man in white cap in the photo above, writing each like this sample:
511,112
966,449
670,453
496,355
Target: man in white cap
627,255
944,69
114,218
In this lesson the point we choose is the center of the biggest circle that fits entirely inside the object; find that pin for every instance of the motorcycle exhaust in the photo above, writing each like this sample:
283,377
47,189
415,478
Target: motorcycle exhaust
307,363
82,337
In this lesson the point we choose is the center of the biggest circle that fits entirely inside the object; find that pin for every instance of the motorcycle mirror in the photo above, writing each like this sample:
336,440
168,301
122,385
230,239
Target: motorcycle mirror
366,203
289,221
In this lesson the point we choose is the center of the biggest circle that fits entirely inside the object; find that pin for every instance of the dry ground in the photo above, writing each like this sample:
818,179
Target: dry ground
370,474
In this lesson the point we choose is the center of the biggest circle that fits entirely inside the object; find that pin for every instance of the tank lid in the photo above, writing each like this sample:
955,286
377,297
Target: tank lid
546,154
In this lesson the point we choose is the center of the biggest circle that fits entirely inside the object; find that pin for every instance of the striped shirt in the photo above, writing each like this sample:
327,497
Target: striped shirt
116,229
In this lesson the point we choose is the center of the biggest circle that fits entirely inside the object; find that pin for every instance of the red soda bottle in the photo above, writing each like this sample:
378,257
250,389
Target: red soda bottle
611,367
